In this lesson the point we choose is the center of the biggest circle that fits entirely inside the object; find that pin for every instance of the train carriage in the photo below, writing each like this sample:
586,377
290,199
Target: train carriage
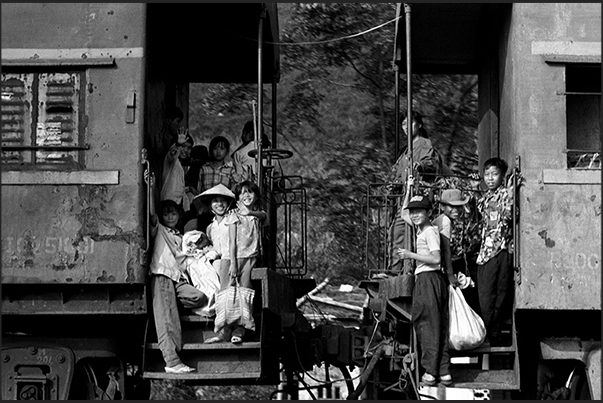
539,108
85,89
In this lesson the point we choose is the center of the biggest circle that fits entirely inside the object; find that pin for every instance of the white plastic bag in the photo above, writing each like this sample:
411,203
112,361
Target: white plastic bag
200,271
467,328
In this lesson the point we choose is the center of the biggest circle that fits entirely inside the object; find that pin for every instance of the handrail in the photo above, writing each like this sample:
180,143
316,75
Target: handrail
145,161
515,209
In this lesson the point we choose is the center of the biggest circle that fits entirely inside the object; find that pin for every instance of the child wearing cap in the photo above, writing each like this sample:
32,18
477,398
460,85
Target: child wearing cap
430,293
452,204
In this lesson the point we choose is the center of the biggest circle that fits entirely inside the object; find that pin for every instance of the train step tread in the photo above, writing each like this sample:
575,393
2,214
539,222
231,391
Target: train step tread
216,346
496,379
197,376
197,318
483,349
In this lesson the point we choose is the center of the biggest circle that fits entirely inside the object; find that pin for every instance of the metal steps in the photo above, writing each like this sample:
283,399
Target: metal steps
501,379
255,361
490,367
235,362
485,367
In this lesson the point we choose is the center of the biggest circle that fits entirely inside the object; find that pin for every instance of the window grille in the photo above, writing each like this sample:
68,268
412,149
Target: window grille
41,117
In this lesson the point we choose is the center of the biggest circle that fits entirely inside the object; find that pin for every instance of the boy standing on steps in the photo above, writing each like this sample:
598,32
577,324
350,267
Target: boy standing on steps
494,270
168,283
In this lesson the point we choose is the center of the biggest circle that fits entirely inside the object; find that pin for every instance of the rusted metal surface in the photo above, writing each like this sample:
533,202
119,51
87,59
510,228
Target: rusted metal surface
561,244
73,215
83,234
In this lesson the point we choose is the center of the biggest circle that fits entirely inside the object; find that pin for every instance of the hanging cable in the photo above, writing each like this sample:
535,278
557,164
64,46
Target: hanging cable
319,42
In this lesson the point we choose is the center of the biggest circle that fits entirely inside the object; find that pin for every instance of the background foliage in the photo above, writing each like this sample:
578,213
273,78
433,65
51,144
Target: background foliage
335,111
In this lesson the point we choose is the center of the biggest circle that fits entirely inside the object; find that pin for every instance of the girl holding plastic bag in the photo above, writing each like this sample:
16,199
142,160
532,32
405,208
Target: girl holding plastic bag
244,235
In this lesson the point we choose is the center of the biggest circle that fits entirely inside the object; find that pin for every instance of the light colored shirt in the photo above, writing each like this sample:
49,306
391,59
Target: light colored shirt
172,179
444,225
218,234
244,165
248,234
428,241
168,258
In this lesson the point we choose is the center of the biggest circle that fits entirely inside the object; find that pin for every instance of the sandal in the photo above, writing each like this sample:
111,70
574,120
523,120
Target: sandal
236,340
215,339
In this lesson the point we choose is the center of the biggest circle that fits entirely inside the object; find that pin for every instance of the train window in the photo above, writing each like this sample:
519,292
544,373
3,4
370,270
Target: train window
41,118
583,109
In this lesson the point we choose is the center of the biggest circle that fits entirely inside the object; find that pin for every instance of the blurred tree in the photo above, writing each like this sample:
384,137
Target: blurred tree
335,110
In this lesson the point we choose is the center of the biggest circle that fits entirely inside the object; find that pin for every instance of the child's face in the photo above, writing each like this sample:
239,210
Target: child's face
174,125
219,205
247,137
453,212
219,152
170,217
419,216
493,177
185,150
415,127
247,197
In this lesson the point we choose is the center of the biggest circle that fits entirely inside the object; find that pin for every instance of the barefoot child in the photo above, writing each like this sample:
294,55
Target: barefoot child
169,285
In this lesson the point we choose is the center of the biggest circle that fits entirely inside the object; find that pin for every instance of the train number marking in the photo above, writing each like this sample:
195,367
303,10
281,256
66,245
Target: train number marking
43,358
49,245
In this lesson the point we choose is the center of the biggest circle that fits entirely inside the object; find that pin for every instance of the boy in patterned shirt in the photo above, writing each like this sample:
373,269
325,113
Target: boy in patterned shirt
495,272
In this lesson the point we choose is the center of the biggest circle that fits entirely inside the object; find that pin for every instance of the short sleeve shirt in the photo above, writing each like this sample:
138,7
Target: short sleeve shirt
428,241
210,176
248,234
454,233
218,234
495,212
168,258
444,225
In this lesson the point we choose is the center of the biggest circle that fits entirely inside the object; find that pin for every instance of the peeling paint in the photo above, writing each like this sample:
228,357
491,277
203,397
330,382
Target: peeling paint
104,279
548,242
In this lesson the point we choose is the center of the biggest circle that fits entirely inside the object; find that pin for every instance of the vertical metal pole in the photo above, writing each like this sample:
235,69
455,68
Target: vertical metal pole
258,134
274,111
271,258
409,230
396,110
408,85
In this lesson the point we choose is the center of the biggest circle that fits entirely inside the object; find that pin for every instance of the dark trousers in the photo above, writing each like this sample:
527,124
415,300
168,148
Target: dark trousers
430,318
495,287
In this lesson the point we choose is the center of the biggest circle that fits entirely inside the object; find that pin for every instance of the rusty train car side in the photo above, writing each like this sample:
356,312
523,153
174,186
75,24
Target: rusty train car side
73,261
84,90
